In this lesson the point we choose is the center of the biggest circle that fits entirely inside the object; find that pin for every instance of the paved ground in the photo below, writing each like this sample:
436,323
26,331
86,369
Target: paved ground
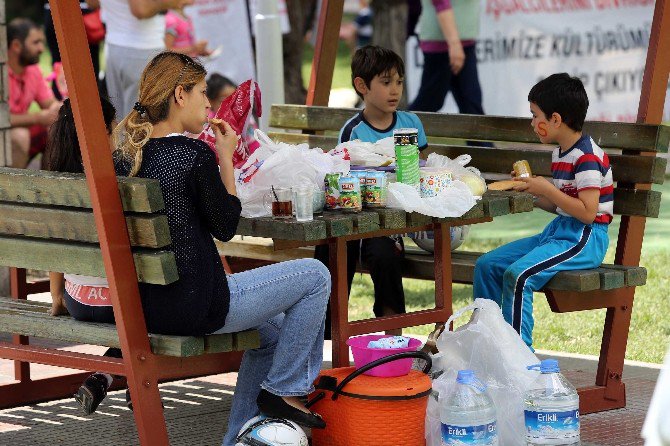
197,410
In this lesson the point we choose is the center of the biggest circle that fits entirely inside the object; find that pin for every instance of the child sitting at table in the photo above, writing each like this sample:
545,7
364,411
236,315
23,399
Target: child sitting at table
581,194
377,75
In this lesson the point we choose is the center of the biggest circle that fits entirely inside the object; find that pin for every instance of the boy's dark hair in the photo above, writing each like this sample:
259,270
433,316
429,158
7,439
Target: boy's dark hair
18,29
560,93
216,83
62,152
371,60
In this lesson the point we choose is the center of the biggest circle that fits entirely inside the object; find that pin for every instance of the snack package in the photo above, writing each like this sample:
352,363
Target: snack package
235,110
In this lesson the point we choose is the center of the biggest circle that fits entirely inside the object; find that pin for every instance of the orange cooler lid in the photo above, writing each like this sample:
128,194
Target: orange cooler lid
415,384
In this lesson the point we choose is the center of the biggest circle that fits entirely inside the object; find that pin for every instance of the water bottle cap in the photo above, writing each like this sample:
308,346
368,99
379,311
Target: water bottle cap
549,366
546,366
468,377
465,376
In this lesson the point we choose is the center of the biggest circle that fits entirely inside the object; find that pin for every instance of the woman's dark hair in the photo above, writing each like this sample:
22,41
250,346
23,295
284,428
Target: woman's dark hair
216,83
560,93
371,60
62,153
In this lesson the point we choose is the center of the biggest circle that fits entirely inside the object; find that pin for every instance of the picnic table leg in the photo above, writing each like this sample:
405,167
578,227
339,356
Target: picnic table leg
339,301
443,286
19,290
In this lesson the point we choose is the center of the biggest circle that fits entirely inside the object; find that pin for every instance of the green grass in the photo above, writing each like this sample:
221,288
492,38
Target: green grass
578,332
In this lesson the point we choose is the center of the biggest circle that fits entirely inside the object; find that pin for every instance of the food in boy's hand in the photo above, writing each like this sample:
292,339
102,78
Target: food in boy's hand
522,169
215,121
503,185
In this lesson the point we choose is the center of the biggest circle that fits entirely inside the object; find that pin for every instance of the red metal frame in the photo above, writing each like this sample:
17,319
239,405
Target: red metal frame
342,328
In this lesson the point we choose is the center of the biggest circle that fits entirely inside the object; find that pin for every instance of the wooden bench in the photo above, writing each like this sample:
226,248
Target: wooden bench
632,149
46,223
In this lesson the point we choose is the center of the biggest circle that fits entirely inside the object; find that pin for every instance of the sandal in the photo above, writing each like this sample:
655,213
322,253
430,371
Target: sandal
91,393
274,406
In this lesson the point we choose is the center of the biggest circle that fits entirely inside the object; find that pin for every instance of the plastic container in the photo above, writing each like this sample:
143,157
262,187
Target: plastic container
551,408
467,413
364,355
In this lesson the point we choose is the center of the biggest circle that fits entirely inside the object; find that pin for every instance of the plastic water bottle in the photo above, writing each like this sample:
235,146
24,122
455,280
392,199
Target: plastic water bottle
551,408
467,414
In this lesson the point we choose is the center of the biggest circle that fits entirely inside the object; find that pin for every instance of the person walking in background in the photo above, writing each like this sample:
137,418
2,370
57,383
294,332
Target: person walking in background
448,30
135,33
179,33
95,34
28,131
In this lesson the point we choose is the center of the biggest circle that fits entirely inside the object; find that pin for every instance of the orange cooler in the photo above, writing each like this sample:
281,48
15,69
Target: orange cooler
362,410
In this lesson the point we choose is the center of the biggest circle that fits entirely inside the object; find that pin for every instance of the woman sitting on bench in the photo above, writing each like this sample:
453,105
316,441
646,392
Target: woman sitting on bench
285,302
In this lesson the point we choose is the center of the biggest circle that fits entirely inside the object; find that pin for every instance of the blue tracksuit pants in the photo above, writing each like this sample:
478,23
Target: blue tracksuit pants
509,274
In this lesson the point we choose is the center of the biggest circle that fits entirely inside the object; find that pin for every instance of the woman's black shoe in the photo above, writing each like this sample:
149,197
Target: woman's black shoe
274,406
91,393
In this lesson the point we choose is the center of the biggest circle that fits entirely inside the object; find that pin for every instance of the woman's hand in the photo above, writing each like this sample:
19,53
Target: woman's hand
226,139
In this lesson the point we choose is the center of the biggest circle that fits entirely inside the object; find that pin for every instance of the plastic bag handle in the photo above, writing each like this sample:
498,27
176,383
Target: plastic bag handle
473,306
384,360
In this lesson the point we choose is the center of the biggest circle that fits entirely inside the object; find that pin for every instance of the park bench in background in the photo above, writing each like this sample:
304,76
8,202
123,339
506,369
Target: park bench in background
632,149
46,223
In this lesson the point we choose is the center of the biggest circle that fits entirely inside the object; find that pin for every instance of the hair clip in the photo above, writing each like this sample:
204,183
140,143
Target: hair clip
139,108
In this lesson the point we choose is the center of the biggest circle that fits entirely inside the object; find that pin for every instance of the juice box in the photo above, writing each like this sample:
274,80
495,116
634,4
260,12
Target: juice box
376,189
350,194
332,185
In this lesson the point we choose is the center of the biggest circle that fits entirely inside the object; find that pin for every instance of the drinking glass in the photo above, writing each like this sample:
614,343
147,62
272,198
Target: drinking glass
278,202
303,197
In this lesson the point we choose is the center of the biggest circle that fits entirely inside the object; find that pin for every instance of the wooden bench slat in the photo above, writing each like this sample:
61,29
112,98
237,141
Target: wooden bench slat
157,267
150,231
633,275
245,340
497,128
69,189
32,318
645,203
625,168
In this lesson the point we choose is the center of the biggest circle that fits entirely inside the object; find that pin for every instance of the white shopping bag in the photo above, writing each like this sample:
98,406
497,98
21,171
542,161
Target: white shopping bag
495,351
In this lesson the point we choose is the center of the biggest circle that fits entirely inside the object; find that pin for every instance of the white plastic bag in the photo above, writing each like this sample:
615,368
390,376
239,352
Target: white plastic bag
469,175
451,202
489,346
380,153
283,165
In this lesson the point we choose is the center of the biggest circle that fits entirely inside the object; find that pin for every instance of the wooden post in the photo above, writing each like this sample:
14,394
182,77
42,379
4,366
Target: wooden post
110,222
325,52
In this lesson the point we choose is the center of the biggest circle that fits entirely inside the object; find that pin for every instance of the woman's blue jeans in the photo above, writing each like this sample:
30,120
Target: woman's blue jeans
286,302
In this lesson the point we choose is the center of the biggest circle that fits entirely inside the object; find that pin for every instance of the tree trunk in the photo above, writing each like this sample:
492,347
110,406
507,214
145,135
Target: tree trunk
299,11
389,22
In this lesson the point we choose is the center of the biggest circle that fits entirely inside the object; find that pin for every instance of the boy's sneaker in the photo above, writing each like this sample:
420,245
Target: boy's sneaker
92,392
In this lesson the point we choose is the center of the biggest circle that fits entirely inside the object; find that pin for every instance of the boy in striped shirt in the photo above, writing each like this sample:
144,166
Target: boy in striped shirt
581,194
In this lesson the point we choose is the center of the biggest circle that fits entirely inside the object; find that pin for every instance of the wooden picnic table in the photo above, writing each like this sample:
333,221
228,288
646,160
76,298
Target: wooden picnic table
336,228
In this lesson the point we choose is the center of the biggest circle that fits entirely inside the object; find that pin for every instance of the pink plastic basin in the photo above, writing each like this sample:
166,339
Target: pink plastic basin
364,355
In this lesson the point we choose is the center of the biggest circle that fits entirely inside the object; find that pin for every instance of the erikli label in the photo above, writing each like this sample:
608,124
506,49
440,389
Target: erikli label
552,424
481,435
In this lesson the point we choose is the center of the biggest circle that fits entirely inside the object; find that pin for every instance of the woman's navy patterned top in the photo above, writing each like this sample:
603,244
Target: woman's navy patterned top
197,206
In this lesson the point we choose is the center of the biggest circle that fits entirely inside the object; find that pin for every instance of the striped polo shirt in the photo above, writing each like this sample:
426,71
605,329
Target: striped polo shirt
585,166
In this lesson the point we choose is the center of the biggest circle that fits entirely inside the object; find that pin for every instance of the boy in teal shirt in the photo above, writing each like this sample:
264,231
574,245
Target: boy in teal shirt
377,75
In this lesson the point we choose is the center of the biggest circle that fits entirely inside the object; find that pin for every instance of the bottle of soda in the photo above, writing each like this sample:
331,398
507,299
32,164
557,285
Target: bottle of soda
467,413
551,408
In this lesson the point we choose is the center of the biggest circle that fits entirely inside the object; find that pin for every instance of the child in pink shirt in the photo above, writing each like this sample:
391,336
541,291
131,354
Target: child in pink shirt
179,35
